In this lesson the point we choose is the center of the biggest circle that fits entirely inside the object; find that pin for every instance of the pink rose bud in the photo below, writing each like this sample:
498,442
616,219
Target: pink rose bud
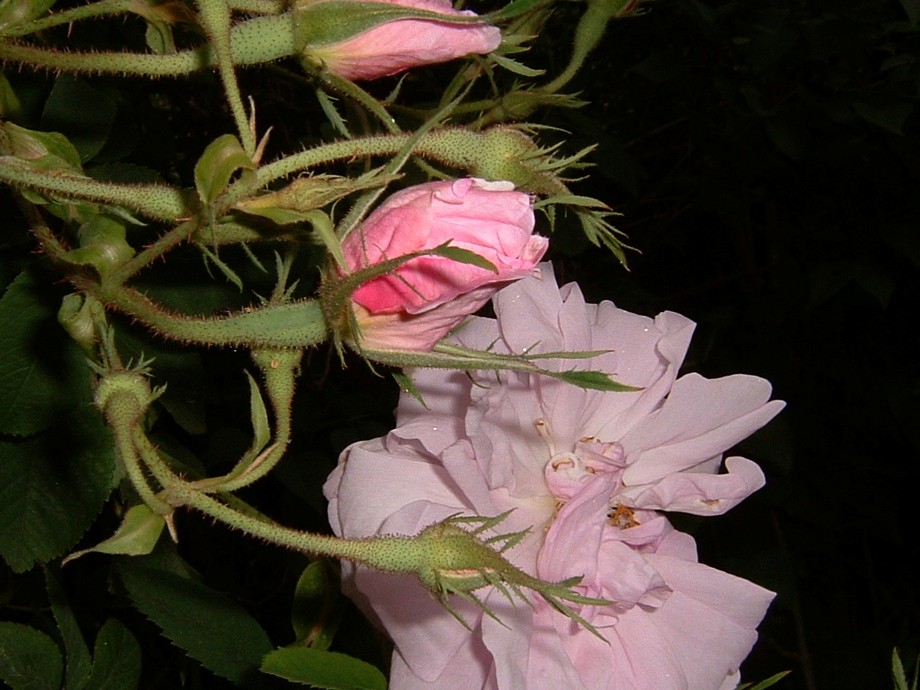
357,45
426,297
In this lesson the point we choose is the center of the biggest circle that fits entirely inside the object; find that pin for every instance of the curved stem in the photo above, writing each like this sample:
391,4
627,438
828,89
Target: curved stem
96,9
375,552
151,200
254,41
154,251
215,15
121,420
296,325
279,367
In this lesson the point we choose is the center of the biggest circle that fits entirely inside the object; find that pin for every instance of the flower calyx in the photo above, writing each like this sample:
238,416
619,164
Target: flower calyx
457,561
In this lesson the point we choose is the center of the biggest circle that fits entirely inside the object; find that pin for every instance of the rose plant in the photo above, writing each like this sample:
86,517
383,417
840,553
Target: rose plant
414,306
591,474
618,597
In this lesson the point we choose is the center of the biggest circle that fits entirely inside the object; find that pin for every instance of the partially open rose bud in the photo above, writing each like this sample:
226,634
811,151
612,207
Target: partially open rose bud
418,303
368,40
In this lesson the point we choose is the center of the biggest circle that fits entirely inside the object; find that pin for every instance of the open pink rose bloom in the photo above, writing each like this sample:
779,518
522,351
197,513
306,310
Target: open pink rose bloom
593,475
419,303
395,46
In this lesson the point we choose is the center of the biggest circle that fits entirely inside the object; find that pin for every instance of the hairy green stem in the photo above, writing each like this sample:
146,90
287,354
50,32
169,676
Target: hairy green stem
215,15
373,552
121,416
153,251
254,41
356,93
151,200
95,9
279,367
294,325
452,146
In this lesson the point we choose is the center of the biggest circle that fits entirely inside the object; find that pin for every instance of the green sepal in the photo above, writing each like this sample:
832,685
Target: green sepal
774,679
407,385
451,356
294,202
222,158
335,294
332,21
44,150
16,12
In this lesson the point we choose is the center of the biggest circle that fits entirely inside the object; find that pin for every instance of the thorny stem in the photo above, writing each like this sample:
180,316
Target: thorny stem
215,15
297,325
154,251
96,9
279,368
120,418
152,200
254,41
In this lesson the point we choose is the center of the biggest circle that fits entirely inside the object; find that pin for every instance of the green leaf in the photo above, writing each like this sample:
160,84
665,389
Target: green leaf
116,659
463,256
29,659
42,372
84,113
229,273
78,663
137,534
328,105
516,67
16,12
899,676
10,107
211,628
889,115
222,158
912,10
52,486
322,669
317,608
764,684
897,671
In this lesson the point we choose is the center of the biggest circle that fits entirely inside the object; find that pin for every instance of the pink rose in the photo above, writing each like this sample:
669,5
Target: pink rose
592,475
425,298
397,45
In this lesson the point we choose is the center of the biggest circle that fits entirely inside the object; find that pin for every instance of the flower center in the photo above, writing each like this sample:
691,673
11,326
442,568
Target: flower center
567,472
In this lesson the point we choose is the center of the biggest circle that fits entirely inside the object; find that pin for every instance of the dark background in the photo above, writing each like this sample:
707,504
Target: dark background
765,158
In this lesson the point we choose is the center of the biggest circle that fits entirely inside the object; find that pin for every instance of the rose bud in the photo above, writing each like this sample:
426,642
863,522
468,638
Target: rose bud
352,42
418,303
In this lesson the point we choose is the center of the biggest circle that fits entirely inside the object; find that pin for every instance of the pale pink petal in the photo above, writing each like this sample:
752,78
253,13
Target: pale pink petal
395,46
427,638
700,419
698,493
